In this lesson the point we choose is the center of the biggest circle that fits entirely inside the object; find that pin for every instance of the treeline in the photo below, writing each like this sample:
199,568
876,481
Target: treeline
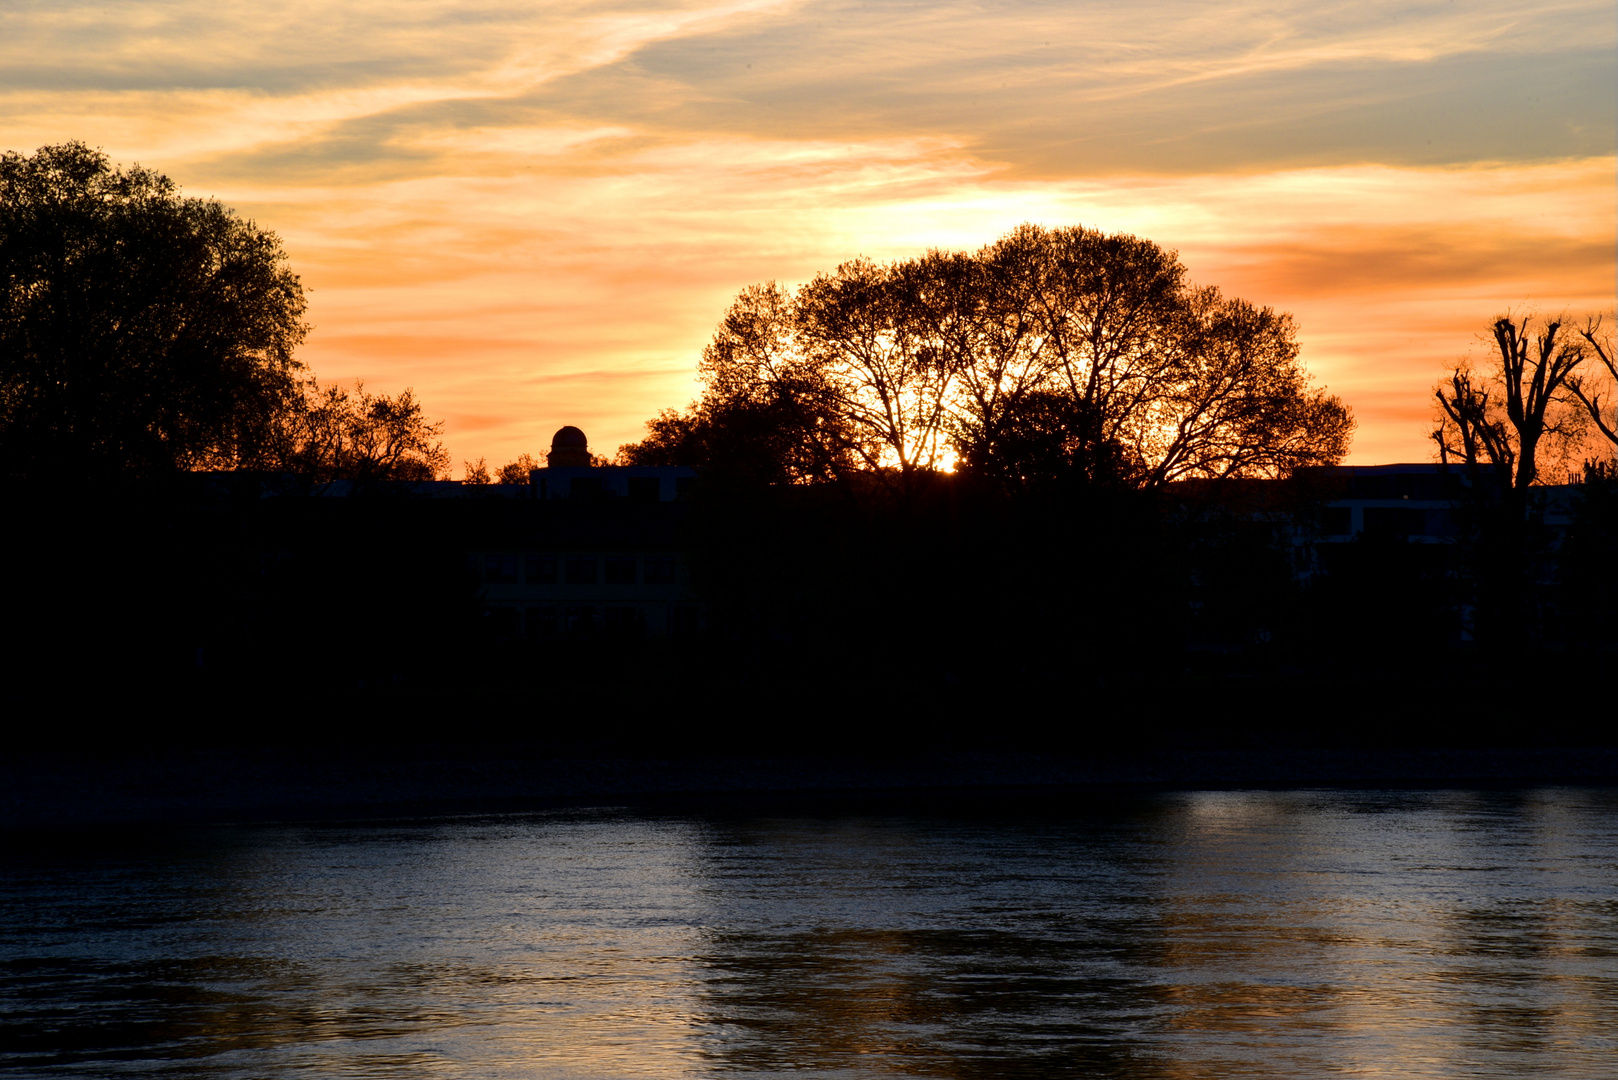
1059,432
1049,479
1540,410
1052,351
953,615
144,335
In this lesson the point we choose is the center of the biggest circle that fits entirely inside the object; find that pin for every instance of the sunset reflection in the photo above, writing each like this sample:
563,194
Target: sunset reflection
1407,944
1283,935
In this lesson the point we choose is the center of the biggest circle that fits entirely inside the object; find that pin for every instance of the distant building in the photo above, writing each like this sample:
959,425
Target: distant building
1361,530
1414,502
1407,518
602,552
569,449
570,474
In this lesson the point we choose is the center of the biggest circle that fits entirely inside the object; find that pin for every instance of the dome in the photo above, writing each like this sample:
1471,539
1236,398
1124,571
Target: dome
569,438
569,449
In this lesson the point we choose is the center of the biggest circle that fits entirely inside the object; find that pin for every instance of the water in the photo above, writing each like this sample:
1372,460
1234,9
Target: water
1213,934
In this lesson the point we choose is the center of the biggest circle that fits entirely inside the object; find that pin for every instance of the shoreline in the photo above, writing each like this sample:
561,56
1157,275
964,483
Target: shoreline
44,791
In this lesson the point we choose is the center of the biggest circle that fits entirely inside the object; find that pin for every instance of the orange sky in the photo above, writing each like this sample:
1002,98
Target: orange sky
535,214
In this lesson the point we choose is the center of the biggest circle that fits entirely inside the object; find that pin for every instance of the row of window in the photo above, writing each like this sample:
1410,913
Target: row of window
639,488
547,570
583,621
1389,521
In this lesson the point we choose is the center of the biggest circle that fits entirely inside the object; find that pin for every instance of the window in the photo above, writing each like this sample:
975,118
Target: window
686,620
494,569
660,571
579,621
645,488
502,622
581,571
1335,521
620,571
541,622
540,570
1394,521
624,622
585,487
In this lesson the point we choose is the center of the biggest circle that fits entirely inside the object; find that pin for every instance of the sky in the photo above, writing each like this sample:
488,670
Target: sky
535,214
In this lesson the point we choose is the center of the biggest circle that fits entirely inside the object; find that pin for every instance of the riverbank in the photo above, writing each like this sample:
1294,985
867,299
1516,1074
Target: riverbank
54,790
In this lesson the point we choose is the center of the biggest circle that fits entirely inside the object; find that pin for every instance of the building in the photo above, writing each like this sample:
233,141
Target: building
1416,503
597,550
1388,529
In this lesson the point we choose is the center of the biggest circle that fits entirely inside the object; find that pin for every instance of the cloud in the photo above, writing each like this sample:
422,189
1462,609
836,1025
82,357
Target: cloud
535,214
528,296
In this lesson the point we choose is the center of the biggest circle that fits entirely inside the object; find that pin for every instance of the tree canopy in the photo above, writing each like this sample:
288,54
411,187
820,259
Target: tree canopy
329,433
140,332
1050,351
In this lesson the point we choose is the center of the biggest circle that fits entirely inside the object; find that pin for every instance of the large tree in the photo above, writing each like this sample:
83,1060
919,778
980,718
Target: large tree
1052,349
1508,424
141,332
1601,378
1501,421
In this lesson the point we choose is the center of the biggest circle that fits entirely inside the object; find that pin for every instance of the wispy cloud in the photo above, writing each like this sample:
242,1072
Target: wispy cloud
535,214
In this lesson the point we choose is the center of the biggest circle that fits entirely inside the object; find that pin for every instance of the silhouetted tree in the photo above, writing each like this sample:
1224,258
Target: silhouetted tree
1046,441
892,370
332,434
738,444
1589,386
516,472
1498,424
1166,381
1501,425
140,332
477,472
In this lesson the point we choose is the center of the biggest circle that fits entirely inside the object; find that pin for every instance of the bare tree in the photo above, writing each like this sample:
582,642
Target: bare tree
1504,425
1599,340
1500,424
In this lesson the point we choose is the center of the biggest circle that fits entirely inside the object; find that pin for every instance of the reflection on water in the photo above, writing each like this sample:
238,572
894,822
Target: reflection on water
1441,934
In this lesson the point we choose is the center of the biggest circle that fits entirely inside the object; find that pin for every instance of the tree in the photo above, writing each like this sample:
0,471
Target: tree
1589,389
1500,423
332,434
766,406
477,473
1060,348
141,333
516,472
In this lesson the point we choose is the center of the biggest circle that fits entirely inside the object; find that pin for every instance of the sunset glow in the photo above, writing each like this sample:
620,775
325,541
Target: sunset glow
536,214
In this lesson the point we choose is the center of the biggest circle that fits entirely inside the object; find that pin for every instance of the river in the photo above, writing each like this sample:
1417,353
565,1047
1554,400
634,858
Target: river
1301,934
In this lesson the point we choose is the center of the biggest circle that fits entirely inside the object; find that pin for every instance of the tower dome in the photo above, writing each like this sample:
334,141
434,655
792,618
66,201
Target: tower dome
569,448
